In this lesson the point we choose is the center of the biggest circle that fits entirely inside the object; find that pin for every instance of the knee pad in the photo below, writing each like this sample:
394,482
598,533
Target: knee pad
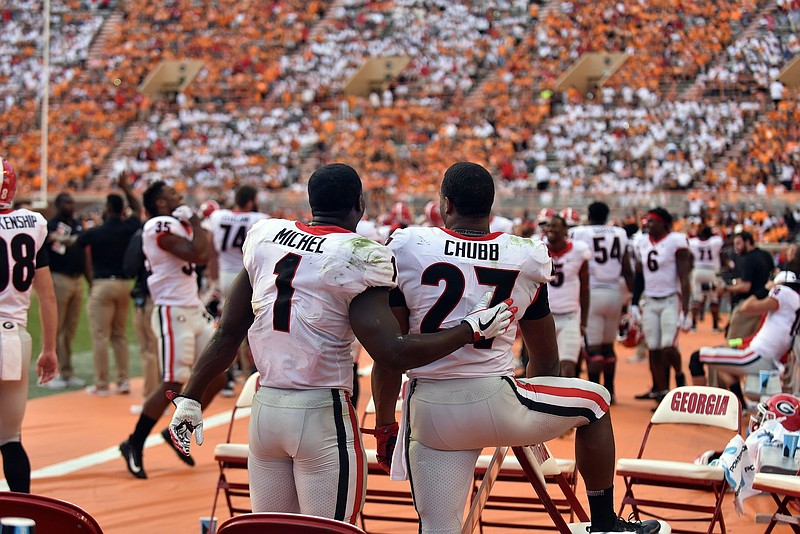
695,365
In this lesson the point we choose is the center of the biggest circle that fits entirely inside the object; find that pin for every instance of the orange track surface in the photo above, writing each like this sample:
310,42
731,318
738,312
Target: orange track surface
72,425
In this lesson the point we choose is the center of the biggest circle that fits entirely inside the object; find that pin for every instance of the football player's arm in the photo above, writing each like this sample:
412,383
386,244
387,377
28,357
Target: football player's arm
683,259
213,259
583,277
752,305
219,353
194,251
133,202
386,383
47,364
377,329
627,272
539,335
638,283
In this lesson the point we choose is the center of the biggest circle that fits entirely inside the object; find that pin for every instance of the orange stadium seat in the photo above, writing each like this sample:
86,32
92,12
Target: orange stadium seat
276,523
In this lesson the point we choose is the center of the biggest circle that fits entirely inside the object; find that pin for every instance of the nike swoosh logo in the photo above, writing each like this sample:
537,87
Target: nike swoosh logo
132,464
484,326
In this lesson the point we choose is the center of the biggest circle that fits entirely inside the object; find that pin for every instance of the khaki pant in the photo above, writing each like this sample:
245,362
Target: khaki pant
148,347
109,300
741,325
69,294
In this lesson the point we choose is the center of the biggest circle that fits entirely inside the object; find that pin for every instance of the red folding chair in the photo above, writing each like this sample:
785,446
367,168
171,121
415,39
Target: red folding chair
279,523
50,514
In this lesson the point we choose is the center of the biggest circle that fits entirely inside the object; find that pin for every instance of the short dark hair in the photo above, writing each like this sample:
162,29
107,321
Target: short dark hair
662,214
559,218
151,195
705,233
746,236
245,194
115,204
334,190
470,188
598,212
61,198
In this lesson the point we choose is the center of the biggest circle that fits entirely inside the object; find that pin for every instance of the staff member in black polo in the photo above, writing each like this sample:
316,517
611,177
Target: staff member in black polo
67,267
109,294
755,266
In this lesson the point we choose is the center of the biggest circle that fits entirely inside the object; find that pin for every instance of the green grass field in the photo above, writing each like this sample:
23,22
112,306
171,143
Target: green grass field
82,359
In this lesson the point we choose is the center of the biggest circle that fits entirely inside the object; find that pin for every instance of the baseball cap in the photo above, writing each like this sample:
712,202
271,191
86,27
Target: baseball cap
785,277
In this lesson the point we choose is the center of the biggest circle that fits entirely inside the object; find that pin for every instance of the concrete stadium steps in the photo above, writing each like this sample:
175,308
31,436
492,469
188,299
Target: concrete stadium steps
101,178
110,26
317,30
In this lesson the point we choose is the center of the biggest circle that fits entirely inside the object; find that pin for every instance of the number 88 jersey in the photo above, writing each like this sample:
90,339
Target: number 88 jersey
22,236
442,275
303,279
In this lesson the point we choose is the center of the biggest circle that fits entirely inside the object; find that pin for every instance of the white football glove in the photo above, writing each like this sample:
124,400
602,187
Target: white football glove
188,419
489,322
635,313
183,213
685,322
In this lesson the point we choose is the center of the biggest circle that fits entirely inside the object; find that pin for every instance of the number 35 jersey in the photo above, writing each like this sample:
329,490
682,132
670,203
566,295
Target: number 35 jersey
172,281
303,279
22,236
443,275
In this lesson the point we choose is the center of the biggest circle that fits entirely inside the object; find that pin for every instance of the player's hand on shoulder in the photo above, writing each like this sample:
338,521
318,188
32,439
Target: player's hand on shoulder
187,420
489,322
183,213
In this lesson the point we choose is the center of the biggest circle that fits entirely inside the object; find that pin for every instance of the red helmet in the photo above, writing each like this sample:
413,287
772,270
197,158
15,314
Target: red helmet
432,214
782,407
208,207
399,215
571,216
544,215
8,190
630,332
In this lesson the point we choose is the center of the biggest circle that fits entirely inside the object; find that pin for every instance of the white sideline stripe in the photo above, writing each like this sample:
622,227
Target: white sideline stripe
112,453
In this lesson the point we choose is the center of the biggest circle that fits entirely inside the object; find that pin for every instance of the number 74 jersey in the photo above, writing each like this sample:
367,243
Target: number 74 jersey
442,275
303,279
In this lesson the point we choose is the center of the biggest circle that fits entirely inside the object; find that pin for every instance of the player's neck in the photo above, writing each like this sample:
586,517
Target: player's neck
557,246
468,227
321,220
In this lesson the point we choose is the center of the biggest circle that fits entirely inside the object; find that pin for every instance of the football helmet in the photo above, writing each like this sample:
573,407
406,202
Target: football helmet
544,215
432,215
783,407
571,216
208,207
630,332
8,189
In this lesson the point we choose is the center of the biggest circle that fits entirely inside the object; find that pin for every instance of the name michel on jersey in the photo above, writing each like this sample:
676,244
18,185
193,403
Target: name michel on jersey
472,250
14,222
309,243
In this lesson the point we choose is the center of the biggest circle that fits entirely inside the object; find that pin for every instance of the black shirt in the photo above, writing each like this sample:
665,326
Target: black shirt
67,260
109,242
756,267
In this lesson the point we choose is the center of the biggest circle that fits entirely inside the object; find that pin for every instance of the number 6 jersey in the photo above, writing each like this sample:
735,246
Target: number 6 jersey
443,274
304,278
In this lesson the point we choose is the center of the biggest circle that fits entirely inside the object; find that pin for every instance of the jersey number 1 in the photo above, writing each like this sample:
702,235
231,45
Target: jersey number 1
281,310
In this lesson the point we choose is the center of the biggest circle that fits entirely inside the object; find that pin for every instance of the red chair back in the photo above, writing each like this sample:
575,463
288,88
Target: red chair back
51,515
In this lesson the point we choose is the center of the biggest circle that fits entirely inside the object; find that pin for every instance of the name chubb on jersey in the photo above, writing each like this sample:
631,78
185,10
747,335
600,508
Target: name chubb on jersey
309,243
14,222
472,250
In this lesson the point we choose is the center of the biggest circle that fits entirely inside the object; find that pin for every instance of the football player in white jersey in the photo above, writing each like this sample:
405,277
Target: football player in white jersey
228,230
25,267
663,258
501,224
469,400
568,292
173,242
609,262
304,292
706,250
766,350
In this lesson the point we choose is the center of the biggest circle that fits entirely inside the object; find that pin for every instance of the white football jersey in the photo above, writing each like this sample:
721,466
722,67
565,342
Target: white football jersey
172,281
501,224
565,287
304,278
658,263
774,337
706,252
228,231
608,245
23,233
443,275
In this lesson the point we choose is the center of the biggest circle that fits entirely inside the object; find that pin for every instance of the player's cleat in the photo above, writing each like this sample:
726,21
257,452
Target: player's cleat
651,526
133,459
188,460
650,395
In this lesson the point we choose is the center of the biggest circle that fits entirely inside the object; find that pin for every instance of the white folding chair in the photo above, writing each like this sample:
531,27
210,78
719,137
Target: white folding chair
782,488
234,456
689,405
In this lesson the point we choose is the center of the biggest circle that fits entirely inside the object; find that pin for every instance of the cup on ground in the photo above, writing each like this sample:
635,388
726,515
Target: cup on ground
790,444
208,525
17,525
